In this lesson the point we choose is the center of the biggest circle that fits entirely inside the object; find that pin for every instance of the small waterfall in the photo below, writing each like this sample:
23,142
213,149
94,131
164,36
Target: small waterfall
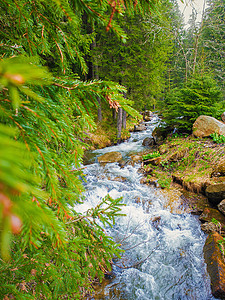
164,246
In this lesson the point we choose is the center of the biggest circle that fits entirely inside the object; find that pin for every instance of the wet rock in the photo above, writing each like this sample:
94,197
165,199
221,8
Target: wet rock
221,207
215,193
147,118
136,158
219,169
140,127
211,213
143,180
120,179
209,227
215,265
205,126
110,157
148,142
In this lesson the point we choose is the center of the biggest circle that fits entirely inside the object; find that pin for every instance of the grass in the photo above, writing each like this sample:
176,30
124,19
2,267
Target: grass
188,158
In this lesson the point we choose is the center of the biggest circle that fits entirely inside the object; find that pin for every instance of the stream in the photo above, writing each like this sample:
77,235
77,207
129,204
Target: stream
163,243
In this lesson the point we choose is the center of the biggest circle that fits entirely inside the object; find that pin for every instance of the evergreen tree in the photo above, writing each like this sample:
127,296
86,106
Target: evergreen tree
44,112
213,40
200,96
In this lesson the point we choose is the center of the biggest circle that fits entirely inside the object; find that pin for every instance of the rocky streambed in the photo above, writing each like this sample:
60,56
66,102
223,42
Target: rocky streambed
161,233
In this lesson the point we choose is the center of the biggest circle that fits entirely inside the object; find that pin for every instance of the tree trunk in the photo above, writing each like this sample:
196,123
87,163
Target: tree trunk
119,122
124,119
113,114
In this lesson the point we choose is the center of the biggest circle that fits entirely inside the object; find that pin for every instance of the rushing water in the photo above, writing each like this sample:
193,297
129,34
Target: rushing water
164,245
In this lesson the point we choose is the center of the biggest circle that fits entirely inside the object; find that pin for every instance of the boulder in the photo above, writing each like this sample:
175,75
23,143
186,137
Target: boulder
215,193
139,127
221,207
223,117
215,264
148,142
110,157
205,126
210,214
219,169
211,227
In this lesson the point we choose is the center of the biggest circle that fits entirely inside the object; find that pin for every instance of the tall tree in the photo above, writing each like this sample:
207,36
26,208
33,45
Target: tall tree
44,114
213,40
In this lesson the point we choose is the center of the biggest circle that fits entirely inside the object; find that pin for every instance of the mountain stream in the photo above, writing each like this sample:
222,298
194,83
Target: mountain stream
163,243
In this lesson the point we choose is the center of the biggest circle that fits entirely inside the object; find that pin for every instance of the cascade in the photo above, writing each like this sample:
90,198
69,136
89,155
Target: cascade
163,256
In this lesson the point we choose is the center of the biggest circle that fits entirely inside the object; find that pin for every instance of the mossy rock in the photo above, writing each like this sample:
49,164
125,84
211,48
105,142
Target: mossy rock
110,157
215,264
211,213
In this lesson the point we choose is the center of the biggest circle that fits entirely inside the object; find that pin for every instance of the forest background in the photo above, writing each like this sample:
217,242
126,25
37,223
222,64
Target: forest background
67,68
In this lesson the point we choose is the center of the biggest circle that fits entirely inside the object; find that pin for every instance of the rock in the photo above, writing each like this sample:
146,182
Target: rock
148,170
205,126
223,117
140,127
219,169
211,213
215,265
148,113
215,193
120,179
211,227
148,141
153,161
147,118
143,180
221,207
110,157
136,158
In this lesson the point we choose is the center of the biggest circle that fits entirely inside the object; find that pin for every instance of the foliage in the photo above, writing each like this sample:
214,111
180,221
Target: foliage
213,40
200,96
217,138
151,155
45,110
140,63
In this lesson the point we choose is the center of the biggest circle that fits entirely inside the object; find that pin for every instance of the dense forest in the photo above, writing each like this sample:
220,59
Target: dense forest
67,67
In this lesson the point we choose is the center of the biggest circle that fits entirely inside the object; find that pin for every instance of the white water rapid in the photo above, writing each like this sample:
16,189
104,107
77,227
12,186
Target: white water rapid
164,247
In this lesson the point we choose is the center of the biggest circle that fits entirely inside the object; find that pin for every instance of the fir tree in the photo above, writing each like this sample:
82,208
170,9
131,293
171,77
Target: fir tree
45,109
